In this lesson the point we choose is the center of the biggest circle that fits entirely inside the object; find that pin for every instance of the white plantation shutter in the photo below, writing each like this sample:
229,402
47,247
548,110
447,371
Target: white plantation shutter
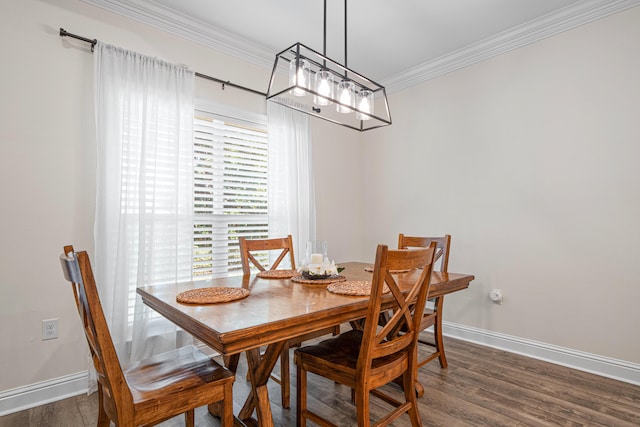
230,190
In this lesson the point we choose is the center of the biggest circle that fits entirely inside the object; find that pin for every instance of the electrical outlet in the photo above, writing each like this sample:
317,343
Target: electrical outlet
496,296
49,329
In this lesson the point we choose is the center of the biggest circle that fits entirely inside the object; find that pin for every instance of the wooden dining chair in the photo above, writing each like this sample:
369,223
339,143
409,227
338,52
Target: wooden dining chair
432,317
285,246
151,390
368,358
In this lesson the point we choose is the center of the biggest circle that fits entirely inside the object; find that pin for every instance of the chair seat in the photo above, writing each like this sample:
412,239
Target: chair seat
174,371
342,352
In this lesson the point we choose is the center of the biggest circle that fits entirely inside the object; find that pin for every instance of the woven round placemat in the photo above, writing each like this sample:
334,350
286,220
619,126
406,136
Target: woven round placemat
354,287
301,279
214,295
369,269
277,274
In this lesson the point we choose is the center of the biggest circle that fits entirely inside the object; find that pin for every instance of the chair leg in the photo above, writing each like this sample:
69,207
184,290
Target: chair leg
410,396
301,396
437,332
362,408
189,418
226,418
285,386
103,419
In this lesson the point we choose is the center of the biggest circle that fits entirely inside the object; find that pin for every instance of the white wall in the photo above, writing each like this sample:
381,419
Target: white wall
47,165
338,182
530,161
527,160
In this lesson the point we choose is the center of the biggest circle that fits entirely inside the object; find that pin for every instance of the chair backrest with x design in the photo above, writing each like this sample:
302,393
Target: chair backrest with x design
399,334
249,246
432,317
443,244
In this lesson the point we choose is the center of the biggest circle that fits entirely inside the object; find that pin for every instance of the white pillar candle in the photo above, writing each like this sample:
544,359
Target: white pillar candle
316,259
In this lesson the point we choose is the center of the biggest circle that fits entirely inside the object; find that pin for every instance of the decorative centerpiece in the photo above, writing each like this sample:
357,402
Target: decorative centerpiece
319,270
316,265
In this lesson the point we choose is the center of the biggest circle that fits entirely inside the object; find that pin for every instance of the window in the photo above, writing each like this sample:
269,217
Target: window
229,195
230,188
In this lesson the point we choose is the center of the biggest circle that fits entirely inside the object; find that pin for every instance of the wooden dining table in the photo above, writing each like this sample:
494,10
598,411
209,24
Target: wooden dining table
277,310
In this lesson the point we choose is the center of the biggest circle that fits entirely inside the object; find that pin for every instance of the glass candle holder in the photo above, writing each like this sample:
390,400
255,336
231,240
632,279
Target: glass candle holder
316,252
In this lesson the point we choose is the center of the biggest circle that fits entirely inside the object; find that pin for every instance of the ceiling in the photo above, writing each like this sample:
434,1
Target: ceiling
396,43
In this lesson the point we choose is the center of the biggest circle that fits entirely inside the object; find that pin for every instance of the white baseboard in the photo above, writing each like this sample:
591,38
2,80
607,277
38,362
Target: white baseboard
21,398
33,395
600,365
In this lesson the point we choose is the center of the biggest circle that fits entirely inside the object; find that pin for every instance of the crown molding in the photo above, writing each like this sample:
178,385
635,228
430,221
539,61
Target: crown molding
564,19
162,18
537,29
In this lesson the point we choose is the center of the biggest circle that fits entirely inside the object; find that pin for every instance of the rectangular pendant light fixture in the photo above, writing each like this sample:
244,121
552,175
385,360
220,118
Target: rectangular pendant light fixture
309,81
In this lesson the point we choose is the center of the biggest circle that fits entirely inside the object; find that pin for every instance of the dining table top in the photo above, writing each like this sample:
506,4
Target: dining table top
276,309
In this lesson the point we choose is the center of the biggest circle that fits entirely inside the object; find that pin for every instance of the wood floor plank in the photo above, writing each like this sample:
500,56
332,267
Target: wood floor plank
575,401
482,387
522,403
61,413
622,391
16,419
461,385
88,408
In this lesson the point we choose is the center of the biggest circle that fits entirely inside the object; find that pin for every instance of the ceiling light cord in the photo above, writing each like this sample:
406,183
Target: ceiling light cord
346,65
324,32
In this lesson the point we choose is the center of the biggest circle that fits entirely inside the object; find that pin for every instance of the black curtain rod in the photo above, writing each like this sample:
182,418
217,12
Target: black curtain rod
64,33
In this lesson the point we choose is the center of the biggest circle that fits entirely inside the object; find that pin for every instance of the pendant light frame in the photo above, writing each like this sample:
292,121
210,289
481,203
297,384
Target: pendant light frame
286,91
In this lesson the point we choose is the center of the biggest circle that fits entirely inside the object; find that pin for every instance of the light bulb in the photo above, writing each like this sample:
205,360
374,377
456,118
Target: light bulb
346,96
299,76
324,87
365,104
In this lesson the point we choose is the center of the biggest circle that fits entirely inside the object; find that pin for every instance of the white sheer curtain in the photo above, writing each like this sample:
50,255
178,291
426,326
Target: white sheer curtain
144,209
291,190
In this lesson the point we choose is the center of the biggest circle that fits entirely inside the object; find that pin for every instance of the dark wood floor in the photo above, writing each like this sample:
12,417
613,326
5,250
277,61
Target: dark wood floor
481,387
